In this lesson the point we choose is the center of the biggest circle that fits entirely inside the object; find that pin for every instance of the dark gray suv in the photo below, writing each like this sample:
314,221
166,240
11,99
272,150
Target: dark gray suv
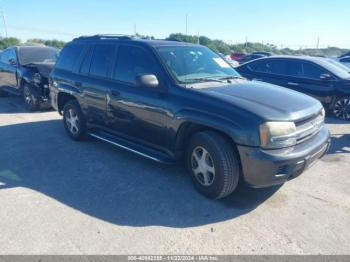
168,100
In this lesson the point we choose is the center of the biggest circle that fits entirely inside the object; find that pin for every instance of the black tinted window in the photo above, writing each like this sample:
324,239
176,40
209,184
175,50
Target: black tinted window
345,60
312,71
295,68
132,62
69,56
102,60
85,66
270,66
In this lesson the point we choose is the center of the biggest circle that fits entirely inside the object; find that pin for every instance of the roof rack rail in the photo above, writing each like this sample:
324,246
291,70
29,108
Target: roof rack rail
106,36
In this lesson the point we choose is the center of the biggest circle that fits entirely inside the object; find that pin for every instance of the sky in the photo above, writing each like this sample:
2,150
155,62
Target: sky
285,23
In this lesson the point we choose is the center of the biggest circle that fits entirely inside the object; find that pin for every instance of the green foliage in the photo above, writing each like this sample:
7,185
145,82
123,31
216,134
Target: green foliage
225,48
8,41
55,43
214,44
12,41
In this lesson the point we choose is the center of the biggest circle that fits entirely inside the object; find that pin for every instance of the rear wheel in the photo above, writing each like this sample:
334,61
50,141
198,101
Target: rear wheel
341,108
213,164
74,120
30,100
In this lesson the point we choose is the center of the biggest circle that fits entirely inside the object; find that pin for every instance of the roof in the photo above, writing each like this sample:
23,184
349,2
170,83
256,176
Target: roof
314,59
132,39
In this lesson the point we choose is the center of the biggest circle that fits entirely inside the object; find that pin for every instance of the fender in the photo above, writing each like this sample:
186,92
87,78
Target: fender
66,88
239,132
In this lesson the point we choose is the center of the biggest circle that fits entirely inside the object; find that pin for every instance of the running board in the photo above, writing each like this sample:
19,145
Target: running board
132,147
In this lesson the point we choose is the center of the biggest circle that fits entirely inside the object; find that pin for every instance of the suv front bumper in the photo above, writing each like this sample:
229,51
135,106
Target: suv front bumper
263,168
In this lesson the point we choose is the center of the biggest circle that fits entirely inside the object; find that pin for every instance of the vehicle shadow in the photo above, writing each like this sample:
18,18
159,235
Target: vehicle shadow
14,105
111,184
333,120
340,144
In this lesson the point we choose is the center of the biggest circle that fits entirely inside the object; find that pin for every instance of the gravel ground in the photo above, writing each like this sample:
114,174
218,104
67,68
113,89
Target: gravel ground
63,197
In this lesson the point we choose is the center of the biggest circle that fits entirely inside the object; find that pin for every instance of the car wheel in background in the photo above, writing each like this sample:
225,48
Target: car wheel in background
341,108
30,100
74,120
213,164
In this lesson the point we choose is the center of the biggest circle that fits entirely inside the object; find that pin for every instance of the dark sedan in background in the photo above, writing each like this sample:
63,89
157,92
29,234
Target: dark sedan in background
24,71
314,76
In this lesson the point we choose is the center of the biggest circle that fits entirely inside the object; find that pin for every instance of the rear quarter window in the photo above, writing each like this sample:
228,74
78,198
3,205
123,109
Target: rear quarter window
69,56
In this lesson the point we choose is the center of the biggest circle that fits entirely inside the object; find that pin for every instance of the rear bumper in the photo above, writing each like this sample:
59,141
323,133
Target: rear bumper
263,168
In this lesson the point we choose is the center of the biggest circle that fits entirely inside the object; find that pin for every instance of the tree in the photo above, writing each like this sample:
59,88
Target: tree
9,41
55,43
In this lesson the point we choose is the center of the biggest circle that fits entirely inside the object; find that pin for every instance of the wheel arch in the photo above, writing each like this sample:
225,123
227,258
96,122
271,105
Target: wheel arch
62,99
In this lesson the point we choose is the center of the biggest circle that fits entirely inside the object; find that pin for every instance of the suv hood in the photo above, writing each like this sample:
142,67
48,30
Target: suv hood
43,68
270,102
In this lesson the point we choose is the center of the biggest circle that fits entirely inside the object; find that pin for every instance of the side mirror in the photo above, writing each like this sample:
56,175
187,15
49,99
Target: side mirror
12,62
326,77
147,81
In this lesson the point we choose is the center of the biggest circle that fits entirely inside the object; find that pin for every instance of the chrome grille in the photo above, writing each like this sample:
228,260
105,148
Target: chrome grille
306,129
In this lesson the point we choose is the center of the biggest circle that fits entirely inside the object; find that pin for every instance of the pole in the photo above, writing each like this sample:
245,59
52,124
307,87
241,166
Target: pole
186,23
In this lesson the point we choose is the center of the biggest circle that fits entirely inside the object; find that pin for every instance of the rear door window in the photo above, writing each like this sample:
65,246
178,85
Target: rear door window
85,65
276,67
294,68
102,61
69,56
132,62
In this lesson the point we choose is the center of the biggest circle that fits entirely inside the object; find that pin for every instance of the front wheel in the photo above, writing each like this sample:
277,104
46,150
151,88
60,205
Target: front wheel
30,100
341,108
74,120
213,164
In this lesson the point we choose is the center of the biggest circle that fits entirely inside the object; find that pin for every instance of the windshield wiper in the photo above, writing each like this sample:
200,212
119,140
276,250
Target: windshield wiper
205,79
231,77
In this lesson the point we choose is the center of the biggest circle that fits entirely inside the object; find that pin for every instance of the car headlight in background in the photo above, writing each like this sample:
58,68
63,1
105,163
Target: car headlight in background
37,79
323,113
275,135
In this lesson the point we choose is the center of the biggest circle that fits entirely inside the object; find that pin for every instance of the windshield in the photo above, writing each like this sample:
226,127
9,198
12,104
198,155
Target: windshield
334,62
334,68
191,64
29,55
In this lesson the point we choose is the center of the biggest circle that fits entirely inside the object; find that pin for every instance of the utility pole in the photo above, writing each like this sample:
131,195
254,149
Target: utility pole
186,23
4,21
135,32
318,43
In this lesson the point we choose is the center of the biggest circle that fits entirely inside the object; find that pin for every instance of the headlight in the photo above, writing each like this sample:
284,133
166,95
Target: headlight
277,135
37,79
323,113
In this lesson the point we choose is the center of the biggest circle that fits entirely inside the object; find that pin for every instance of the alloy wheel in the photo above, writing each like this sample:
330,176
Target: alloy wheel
342,108
203,166
72,121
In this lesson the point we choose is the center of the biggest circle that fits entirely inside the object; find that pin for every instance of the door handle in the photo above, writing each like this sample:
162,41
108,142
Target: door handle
257,79
78,84
293,84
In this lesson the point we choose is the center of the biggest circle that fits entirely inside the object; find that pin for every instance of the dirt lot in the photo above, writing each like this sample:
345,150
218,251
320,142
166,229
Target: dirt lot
62,197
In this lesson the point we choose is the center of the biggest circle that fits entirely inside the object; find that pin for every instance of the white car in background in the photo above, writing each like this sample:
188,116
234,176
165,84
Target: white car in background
233,63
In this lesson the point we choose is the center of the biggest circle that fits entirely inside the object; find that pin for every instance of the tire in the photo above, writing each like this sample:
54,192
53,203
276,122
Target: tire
341,108
3,93
30,99
220,162
74,121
